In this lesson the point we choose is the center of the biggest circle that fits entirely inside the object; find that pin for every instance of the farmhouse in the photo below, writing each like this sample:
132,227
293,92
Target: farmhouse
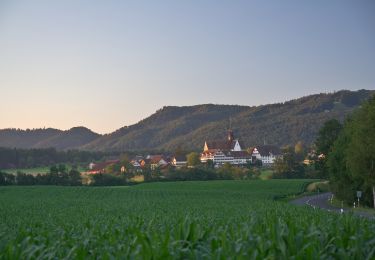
228,150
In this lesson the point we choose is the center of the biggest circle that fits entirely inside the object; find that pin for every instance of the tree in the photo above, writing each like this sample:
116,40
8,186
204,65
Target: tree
299,150
225,171
351,162
362,162
288,166
327,136
6,179
210,164
75,177
25,179
54,170
193,159
62,168
339,175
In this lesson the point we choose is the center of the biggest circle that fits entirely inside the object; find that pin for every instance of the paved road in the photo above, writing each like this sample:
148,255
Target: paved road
322,201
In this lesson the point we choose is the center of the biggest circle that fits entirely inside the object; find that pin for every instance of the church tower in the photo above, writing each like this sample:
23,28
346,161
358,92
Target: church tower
230,135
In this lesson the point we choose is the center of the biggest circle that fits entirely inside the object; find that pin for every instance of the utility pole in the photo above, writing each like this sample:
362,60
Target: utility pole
373,186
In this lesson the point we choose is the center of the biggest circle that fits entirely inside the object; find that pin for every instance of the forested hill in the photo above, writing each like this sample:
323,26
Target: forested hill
188,127
45,138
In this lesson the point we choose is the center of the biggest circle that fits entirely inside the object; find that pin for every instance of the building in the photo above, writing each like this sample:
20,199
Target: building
135,164
267,154
179,161
228,150
97,168
155,161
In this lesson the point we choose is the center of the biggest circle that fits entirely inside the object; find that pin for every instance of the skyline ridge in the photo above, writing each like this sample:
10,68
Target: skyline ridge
177,106
171,126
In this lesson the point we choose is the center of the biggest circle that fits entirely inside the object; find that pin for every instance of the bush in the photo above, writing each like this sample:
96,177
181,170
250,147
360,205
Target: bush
108,180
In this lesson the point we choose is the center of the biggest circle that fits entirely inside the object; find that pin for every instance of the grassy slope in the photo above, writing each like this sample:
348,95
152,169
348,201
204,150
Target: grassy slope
174,220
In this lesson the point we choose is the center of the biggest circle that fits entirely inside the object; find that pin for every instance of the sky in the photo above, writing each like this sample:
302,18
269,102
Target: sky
108,64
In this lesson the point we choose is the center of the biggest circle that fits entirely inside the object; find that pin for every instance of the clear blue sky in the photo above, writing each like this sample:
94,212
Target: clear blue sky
106,64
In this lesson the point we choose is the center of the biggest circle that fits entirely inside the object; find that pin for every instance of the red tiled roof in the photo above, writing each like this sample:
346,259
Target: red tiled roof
156,159
220,145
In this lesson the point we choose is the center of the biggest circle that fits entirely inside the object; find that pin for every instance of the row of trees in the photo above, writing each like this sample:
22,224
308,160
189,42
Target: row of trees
58,175
207,172
30,158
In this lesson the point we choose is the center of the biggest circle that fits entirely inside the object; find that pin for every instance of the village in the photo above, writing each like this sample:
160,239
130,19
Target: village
216,153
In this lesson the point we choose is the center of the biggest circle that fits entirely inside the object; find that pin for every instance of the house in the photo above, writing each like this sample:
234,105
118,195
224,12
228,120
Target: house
228,150
137,167
96,168
135,164
179,161
265,153
154,161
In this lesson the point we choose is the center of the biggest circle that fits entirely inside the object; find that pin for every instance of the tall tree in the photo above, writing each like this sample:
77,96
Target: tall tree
361,149
193,159
327,136
351,162
288,165
299,150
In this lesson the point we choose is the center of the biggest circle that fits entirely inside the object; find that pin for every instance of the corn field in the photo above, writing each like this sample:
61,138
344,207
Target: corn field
181,220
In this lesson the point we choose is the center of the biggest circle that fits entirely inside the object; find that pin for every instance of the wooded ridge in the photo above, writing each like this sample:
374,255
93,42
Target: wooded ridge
188,127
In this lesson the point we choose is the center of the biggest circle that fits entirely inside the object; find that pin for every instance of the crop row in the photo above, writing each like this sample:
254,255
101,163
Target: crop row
175,220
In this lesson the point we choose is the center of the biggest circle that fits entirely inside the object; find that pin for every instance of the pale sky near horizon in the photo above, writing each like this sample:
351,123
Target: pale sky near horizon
107,64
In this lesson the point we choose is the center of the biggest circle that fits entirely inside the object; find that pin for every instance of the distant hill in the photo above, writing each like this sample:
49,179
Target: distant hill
188,127
45,138
71,139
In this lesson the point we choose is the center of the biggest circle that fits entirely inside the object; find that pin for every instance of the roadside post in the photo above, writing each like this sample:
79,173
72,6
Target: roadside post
359,195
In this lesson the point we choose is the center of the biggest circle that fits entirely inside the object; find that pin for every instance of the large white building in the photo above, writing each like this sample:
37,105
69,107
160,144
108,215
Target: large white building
225,151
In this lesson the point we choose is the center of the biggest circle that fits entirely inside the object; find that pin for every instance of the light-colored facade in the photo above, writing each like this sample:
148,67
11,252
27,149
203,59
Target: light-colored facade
227,151
266,154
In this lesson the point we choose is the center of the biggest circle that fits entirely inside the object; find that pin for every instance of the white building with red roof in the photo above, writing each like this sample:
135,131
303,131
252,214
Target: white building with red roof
225,151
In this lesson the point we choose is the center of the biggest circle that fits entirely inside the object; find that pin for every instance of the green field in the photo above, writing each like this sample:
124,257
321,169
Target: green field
206,220
38,170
